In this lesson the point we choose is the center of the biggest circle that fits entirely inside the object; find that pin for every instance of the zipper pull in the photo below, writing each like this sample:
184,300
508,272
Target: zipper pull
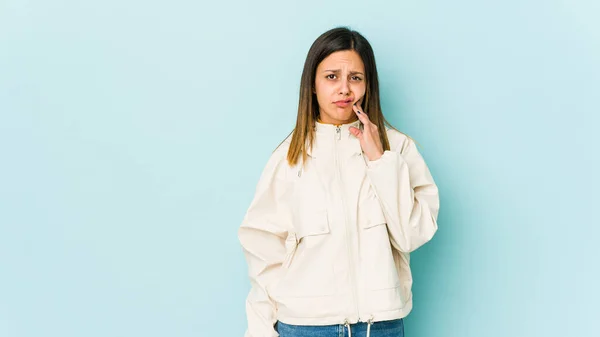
338,130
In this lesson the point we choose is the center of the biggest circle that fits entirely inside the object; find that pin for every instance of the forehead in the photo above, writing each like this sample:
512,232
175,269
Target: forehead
343,59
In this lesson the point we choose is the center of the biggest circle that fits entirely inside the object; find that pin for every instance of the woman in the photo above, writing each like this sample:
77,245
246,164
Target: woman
338,208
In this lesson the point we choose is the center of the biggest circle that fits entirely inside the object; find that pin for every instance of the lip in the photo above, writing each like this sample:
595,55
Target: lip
343,103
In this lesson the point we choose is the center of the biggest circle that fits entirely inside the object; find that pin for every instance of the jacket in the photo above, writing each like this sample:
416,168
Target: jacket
329,243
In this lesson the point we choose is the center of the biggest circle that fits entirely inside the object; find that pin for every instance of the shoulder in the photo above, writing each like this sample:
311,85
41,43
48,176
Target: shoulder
285,144
399,142
277,165
280,152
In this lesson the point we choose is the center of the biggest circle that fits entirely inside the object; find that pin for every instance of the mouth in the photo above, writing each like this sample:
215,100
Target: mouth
343,103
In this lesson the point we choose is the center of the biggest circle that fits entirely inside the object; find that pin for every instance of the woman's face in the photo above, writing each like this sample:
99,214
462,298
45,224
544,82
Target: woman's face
339,83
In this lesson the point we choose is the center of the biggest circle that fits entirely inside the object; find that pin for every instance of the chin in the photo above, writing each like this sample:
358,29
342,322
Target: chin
343,113
345,116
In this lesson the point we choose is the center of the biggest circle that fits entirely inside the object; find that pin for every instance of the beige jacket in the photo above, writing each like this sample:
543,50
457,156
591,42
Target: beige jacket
329,243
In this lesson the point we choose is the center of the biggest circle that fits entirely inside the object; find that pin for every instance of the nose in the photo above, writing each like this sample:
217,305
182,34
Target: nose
344,87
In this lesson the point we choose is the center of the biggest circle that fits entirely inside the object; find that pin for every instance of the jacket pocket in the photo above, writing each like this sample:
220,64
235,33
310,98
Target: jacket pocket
309,260
380,266
309,224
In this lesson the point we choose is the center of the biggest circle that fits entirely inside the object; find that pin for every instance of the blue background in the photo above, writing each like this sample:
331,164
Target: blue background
132,134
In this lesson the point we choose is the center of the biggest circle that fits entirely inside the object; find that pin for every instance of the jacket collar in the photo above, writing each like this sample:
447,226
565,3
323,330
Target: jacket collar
327,133
330,129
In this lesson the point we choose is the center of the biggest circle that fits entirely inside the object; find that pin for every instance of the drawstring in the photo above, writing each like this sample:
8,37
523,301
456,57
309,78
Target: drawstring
369,322
348,326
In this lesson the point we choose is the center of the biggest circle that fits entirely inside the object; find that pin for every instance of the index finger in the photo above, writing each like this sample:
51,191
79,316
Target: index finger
362,116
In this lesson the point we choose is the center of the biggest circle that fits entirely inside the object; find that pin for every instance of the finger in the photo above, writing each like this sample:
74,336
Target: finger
361,115
356,132
356,107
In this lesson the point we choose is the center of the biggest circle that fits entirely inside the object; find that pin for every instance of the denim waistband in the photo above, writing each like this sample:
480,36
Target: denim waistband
391,328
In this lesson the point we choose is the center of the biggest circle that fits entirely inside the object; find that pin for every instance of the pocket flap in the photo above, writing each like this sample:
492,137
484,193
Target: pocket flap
371,214
312,223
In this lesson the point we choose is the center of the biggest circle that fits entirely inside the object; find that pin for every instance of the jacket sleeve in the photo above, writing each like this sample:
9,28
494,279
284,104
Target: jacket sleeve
408,195
262,235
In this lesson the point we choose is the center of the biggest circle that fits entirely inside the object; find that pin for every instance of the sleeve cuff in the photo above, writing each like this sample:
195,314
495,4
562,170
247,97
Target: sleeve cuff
377,162
387,157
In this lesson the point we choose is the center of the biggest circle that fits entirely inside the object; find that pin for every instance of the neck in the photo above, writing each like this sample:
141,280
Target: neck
319,120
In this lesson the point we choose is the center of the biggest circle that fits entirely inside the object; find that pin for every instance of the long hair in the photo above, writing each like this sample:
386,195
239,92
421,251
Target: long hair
336,39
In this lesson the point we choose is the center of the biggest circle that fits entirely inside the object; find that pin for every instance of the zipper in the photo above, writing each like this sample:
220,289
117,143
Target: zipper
338,132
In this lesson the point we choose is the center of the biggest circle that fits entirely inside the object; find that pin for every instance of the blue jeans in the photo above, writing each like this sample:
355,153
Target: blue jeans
393,328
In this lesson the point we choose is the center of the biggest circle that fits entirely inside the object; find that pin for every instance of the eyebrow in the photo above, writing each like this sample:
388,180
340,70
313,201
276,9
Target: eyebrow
338,70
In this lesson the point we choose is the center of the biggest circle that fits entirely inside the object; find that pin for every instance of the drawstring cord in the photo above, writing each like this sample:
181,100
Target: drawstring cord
348,326
369,323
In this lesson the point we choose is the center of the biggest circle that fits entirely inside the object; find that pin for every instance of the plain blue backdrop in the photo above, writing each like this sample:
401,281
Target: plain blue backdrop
132,135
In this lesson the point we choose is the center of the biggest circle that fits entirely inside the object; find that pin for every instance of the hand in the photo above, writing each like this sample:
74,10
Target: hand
369,137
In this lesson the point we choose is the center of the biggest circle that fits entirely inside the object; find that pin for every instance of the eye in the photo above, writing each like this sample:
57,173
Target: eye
356,78
330,77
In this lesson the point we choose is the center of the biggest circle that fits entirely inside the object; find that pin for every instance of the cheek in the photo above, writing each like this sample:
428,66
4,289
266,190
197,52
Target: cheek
324,91
361,89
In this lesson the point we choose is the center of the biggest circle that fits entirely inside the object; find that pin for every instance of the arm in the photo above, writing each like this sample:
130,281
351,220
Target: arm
262,236
408,195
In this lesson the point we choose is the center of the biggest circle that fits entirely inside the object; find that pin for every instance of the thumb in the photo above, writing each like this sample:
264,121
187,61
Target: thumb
356,132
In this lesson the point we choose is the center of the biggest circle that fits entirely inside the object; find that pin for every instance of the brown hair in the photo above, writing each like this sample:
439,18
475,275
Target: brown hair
336,39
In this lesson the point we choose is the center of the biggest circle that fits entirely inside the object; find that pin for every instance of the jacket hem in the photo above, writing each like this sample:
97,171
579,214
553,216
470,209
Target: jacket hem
339,319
